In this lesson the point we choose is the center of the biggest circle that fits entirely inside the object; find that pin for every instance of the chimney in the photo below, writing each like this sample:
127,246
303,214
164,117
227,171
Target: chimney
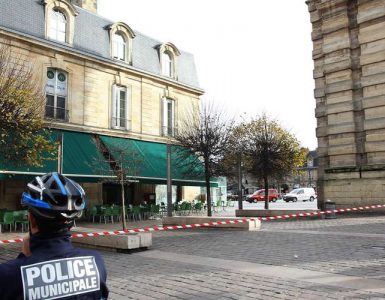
90,5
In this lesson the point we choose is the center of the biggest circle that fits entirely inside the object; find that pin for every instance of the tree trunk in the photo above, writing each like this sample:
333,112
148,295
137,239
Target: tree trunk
208,190
266,192
208,196
123,205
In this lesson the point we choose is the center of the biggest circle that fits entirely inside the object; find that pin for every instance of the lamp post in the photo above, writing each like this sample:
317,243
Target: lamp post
169,185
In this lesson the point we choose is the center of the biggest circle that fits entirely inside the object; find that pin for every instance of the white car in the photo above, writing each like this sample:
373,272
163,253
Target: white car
300,194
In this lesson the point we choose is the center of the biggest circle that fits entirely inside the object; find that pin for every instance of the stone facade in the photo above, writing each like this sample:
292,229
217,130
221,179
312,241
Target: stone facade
349,73
91,5
91,78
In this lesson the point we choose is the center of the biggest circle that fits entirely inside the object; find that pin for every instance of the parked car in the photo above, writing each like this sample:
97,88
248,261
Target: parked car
301,194
260,196
232,196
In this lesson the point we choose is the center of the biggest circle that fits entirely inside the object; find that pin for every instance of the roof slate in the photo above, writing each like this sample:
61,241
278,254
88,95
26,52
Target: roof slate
91,36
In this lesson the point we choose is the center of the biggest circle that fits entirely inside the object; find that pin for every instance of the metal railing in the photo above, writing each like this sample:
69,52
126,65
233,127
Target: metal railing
56,113
116,123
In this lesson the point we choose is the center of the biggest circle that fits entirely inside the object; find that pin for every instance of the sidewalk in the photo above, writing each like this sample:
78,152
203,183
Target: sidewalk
341,258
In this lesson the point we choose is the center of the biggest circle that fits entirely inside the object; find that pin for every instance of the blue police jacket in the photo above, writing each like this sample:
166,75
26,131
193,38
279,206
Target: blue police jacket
55,270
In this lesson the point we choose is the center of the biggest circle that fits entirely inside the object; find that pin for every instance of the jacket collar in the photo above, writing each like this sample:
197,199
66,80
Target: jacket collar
57,242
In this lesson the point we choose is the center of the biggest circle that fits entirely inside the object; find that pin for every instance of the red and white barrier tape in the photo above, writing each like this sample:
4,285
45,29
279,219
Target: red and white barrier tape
209,224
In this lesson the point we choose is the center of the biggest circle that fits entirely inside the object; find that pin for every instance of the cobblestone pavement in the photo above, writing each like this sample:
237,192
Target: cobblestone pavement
340,258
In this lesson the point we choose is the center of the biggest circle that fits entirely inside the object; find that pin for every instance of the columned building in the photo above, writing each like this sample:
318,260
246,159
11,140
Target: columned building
349,73
111,92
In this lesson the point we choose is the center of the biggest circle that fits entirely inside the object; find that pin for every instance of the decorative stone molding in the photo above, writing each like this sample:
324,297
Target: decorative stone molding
69,12
127,34
173,51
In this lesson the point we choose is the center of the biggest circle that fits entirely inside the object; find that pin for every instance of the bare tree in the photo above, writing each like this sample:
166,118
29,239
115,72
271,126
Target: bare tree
124,163
22,134
271,151
204,134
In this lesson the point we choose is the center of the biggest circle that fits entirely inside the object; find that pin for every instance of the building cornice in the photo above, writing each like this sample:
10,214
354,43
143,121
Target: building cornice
110,132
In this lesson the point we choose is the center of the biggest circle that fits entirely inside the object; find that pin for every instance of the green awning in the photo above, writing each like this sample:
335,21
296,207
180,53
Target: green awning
12,170
81,160
147,162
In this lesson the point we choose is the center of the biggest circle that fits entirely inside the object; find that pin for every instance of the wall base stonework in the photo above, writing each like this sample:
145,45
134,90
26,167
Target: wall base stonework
352,189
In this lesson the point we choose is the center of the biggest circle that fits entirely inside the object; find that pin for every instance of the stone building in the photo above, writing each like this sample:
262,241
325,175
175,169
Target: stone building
349,73
306,175
104,83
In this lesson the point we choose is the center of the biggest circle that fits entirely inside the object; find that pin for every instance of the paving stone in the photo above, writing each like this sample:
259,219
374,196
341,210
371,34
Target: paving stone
344,246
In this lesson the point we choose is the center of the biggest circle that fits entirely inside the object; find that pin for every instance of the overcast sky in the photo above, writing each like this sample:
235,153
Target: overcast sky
252,56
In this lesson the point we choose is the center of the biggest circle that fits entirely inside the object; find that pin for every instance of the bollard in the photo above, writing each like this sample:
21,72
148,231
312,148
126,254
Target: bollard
330,205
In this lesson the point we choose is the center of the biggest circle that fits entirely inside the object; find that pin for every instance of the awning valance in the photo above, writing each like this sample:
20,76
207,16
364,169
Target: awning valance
81,160
147,162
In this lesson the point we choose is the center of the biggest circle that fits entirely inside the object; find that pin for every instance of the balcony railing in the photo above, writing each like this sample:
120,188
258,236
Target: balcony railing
56,113
121,123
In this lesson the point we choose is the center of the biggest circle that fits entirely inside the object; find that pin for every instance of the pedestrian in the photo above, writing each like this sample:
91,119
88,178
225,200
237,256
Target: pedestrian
49,267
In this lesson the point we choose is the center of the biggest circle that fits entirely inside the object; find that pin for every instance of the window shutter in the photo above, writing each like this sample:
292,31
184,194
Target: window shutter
114,107
164,112
127,112
173,117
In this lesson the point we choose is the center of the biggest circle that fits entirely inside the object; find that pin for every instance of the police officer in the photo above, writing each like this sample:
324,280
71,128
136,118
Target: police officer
49,267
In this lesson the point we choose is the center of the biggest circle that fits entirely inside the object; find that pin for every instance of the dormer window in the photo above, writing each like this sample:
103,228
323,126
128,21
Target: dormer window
167,66
121,36
168,54
58,24
119,47
60,20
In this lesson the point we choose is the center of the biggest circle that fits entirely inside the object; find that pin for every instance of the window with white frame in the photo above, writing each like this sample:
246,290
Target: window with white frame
120,108
56,91
167,64
168,119
168,58
121,36
58,26
119,47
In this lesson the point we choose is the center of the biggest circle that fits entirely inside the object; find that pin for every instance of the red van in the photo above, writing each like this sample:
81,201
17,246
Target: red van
260,196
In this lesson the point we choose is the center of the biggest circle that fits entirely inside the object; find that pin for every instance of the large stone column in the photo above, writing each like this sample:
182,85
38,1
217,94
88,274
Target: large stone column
349,72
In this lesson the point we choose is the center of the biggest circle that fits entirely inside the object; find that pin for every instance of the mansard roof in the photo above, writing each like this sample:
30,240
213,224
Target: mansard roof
91,37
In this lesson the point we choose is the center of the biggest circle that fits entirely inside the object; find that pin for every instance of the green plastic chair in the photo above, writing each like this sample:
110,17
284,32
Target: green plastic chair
94,212
8,219
155,211
188,208
145,211
108,214
136,213
21,217
221,203
182,208
117,212
198,207
2,212
128,212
